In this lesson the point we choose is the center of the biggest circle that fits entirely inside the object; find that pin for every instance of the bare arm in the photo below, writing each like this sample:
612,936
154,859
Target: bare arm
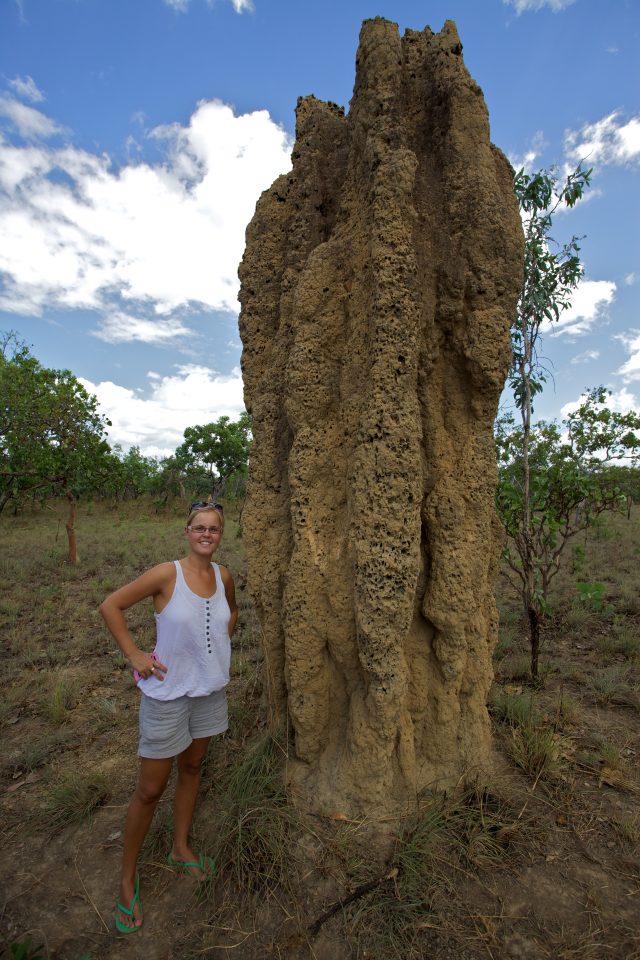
230,592
156,583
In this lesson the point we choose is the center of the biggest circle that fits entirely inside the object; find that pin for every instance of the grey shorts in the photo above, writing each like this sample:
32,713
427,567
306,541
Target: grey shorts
167,727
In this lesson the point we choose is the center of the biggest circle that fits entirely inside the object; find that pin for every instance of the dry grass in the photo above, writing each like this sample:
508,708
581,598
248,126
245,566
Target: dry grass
463,877
72,798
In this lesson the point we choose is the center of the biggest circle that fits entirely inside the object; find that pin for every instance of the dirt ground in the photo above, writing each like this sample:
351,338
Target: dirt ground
542,862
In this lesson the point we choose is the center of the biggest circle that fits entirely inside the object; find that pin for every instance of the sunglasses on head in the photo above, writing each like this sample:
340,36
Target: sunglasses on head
198,504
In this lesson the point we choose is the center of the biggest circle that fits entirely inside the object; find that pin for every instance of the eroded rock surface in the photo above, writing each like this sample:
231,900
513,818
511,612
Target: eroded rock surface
378,284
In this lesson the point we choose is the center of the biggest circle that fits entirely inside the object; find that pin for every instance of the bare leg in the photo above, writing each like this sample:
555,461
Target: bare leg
152,781
187,786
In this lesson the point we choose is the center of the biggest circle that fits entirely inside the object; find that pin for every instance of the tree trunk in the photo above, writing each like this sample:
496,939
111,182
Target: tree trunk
528,554
534,636
71,525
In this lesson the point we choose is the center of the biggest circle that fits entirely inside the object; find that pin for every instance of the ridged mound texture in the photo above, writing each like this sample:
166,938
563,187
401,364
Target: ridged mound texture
378,286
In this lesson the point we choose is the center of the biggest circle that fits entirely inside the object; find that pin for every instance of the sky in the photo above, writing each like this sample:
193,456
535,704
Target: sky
136,137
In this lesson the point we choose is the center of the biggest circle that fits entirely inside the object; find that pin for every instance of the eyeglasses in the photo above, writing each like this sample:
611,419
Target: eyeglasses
199,529
198,504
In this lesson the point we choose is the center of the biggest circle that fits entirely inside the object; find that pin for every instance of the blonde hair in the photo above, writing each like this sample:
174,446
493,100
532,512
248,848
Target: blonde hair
206,509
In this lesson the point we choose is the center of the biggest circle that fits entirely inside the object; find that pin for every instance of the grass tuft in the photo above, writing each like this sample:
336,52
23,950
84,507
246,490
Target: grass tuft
611,683
626,642
74,798
533,749
464,833
628,829
253,830
514,709
59,700
390,917
569,710
516,667
37,752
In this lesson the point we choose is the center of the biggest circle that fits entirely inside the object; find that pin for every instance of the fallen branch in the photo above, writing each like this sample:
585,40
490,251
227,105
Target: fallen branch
360,891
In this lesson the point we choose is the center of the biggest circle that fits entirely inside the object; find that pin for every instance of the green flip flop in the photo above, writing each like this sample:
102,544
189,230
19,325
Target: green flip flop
204,863
122,927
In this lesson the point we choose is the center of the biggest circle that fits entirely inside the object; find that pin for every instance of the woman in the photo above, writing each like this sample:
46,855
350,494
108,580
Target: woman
182,683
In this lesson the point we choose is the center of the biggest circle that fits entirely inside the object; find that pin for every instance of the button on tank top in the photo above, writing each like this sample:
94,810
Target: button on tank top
192,640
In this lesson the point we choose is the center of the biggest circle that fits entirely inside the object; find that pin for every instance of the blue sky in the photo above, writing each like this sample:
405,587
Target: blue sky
135,138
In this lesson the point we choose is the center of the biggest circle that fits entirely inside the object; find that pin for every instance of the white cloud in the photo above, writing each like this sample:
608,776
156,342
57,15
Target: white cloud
528,158
30,123
585,356
631,278
620,401
141,242
589,302
630,370
607,141
26,88
122,328
156,424
522,6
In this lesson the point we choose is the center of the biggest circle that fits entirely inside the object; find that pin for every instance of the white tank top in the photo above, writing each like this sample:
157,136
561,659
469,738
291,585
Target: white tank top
192,640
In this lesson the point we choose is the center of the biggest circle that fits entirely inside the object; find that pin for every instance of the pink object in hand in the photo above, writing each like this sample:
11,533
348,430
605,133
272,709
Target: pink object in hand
136,675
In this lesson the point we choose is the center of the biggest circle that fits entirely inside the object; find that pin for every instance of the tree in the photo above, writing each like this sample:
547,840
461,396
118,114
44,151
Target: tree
52,436
627,479
220,449
570,484
551,274
170,479
137,472
552,483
